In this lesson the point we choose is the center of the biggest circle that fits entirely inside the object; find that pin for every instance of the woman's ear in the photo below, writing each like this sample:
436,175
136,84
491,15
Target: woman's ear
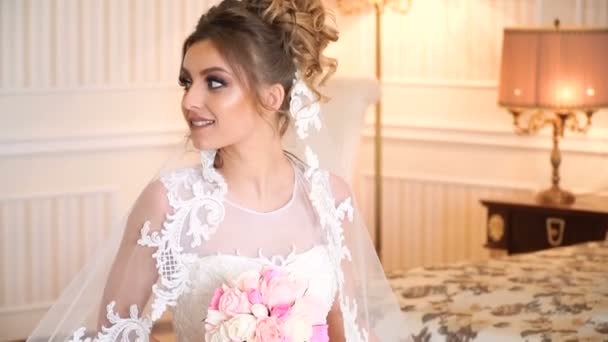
274,96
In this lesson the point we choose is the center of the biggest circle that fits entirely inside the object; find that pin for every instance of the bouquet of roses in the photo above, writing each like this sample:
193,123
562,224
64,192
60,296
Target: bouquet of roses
266,306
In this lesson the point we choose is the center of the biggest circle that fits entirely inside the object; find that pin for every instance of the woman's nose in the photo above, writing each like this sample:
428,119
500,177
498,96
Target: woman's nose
193,99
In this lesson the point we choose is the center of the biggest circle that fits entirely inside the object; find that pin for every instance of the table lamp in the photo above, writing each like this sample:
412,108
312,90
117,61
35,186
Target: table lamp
554,77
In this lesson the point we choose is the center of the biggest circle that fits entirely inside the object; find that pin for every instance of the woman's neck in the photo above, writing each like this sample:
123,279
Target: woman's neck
258,172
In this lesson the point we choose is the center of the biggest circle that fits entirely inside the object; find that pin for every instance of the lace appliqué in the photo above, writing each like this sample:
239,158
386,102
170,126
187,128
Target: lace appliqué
122,328
278,260
331,218
190,199
191,195
274,260
306,111
304,108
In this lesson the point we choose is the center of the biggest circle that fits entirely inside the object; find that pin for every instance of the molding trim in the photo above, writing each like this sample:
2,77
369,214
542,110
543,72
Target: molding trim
595,143
452,181
18,322
104,190
439,83
493,184
83,89
100,142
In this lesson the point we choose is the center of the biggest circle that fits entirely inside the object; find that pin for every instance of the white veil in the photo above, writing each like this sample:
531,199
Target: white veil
366,295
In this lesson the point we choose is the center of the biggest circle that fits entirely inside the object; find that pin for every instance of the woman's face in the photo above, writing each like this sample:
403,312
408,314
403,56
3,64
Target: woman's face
217,107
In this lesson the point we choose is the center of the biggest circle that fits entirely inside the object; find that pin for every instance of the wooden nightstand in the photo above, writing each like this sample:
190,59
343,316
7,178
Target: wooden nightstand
519,226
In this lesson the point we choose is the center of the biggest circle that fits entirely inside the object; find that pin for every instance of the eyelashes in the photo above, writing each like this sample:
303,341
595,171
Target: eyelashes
184,82
213,82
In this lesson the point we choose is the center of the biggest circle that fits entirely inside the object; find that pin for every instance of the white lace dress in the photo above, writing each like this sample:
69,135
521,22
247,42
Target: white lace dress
184,238
246,240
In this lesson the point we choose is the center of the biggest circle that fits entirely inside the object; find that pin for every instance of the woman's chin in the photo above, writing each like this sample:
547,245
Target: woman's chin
204,145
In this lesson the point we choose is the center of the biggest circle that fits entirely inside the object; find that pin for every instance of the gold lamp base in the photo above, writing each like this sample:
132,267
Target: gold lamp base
555,196
560,121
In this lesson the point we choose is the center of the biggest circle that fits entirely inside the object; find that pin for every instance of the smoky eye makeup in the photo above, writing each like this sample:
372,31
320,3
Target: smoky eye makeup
184,79
215,82
184,83
209,76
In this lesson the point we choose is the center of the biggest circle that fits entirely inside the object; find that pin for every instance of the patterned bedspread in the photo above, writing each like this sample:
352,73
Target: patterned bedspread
554,295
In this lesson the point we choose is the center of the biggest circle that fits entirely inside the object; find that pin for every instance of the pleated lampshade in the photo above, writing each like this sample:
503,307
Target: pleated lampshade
557,69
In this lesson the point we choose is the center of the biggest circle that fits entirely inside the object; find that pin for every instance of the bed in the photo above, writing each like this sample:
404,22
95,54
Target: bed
559,294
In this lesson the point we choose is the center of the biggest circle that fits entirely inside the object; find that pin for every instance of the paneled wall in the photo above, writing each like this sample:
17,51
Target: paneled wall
446,142
58,44
431,221
46,239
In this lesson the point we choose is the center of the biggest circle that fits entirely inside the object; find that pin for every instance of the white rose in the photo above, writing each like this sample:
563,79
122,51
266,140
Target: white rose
298,330
241,327
298,326
214,317
218,335
259,310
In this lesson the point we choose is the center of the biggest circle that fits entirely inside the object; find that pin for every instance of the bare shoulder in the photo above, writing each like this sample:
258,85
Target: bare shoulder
154,196
339,188
151,205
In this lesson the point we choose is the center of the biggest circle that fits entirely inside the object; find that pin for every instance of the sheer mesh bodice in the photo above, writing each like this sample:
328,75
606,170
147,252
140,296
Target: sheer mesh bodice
247,240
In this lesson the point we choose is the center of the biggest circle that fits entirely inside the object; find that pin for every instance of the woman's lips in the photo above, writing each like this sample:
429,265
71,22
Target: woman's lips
199,123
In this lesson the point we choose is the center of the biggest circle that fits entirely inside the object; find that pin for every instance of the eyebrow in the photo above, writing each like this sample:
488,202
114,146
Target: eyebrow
205,71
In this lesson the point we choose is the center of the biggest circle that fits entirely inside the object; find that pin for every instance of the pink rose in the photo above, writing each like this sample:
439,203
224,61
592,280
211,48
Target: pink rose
234,302
319,333
269,273
281,312
268,330
254,296
281,289
215,301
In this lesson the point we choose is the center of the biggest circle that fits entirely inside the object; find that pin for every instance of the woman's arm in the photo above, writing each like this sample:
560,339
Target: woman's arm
133,271
335,323
341,191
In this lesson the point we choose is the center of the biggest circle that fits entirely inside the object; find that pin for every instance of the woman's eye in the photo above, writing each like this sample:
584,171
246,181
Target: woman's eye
214,83
185,83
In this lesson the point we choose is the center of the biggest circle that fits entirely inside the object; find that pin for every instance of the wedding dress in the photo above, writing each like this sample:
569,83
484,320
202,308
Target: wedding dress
288,237
186,236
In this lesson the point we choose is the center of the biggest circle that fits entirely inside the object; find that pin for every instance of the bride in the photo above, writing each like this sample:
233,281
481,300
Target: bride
248,212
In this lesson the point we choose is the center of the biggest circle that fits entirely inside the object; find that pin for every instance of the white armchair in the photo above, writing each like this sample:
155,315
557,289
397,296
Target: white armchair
344,117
